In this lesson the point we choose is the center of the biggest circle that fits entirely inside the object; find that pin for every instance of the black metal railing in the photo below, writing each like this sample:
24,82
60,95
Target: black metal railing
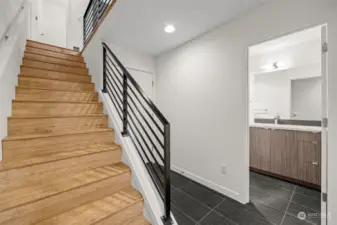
142,122
93,15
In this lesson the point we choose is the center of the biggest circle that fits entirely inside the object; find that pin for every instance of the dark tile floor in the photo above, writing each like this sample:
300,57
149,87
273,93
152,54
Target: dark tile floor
272,202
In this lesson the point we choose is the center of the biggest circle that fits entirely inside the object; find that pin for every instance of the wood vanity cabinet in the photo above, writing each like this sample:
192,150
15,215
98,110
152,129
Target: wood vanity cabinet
283,153
260,148
291,154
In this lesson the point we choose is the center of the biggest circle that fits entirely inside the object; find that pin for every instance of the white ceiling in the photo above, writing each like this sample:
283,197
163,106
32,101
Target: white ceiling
139,25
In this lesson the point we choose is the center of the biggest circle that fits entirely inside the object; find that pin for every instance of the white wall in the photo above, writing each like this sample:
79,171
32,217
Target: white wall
75,23
272,91
11,54
51,25
202,87
8,10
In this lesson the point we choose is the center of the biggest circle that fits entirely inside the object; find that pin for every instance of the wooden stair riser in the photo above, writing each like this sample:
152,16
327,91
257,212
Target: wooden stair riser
52,48
48,74
53,60
54,67
16,148
45,208
43,52
58,168
26,94
17,126
29,109
28,82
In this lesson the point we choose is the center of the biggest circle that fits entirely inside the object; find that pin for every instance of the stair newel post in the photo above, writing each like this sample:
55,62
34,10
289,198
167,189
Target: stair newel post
125,104
167,174
104,70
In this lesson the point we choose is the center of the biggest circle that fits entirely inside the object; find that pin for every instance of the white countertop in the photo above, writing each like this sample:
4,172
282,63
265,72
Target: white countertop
287,127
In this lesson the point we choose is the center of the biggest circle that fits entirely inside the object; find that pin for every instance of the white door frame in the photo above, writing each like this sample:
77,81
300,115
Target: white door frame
324,143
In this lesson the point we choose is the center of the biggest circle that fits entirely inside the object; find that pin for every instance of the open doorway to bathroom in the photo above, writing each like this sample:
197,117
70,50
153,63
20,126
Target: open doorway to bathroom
288,128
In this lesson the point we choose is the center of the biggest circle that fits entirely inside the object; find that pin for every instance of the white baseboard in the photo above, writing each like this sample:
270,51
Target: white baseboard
222,190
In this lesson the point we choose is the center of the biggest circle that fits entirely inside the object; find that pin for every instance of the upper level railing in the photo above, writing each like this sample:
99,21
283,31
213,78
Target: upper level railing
93,15
142,122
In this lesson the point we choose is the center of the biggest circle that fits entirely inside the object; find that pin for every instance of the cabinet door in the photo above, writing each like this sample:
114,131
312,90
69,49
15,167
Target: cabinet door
283,160
260,148
309,157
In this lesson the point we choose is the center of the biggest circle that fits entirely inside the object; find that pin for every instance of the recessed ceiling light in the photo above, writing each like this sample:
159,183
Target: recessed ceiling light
170,29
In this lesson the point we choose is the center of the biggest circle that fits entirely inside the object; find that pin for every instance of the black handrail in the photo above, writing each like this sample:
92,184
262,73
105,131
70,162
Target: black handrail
92,16
146,126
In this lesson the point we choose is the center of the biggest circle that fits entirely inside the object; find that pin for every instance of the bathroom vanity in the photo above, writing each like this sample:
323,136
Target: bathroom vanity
287,151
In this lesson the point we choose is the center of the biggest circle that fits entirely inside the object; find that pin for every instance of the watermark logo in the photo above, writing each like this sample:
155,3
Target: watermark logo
302,215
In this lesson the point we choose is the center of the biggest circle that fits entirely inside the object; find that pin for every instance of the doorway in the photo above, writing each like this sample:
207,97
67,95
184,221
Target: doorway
287,129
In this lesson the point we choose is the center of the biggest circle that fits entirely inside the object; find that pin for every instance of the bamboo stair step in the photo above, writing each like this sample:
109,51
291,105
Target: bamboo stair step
47,135
54,75
54,60
31,82
101,211
26,108
19,148
54,67
30,94
52,48
40,157
18,175
37,190
53,125
44,52
38,201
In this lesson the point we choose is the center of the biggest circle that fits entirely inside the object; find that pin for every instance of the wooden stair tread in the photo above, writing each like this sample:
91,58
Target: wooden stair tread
51,80
25,137
48,187
52,48
51,59
48,156
97,211
44,52
50,117
43,73
44,89
65,102
54,67
50,84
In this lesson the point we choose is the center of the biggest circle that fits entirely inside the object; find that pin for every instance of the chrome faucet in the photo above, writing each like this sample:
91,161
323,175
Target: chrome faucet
276,119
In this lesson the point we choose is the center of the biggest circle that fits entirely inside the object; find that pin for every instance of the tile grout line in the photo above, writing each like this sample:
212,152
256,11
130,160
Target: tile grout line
211,211
285,213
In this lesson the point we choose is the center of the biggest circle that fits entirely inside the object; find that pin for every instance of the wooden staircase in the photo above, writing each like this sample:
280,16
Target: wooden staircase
60,163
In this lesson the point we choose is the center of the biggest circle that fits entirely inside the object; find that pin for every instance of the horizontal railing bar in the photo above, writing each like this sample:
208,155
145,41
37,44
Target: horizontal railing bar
115,104
88,7
147,112
112,87
119,81
115,98
142,148
111,61
139,89
93,11
117,87
147,123
148,170
145,142
148,136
